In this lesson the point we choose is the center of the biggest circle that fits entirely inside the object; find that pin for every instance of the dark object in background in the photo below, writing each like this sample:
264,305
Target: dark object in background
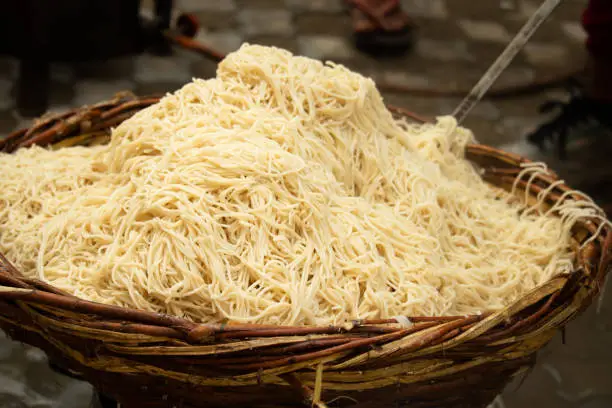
102,401
39,32
381,27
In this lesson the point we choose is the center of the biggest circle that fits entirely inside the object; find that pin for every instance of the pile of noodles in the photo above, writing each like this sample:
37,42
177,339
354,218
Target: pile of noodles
283,192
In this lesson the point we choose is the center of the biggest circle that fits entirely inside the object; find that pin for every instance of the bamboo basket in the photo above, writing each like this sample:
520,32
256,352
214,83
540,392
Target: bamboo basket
145,359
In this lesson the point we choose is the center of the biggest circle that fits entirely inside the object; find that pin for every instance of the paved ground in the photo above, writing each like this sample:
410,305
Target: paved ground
458,40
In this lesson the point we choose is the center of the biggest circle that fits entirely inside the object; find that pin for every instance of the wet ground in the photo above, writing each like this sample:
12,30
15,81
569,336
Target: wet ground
458,39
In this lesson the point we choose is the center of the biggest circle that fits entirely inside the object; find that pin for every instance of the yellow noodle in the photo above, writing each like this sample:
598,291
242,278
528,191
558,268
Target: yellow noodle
282,191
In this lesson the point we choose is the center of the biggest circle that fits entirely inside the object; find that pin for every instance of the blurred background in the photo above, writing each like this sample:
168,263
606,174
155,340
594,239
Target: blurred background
425,55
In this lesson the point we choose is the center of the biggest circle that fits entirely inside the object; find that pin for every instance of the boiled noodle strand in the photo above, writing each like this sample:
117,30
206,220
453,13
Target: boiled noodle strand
280,192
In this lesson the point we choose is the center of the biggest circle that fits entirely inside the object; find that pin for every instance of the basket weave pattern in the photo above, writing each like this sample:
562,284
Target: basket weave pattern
146,359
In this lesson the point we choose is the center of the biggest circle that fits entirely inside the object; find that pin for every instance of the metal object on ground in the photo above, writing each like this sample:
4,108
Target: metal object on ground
506,57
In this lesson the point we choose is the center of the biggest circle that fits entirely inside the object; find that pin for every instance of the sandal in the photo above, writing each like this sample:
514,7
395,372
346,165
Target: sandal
381,27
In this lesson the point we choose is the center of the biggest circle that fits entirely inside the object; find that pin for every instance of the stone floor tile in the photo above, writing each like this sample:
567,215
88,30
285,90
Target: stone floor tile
187,57
407,79
515,127
443,51
603,401
527,7
485,131
570,10
323,24
441,30
224,41
216,20
266,22
594,379
487,52
426,8
202,69
515,76
537,390
487,31
261,4
326,6
53,109
486,10
7,346
287,43
76,391
206,5
522,106
325,47
574,30
486,110
508,5
21,122
61,93
150,68
88,92
157,88
546,55
115,68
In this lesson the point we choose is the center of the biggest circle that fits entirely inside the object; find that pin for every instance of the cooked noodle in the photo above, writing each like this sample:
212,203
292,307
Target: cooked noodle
282,191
